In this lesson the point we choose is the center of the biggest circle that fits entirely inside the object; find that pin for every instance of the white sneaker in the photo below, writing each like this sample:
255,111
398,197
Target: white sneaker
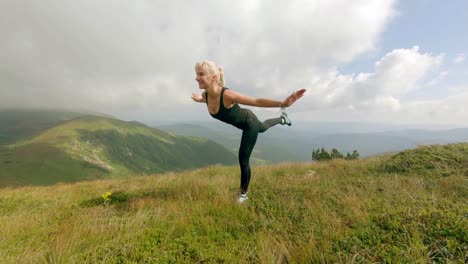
242,198
285,120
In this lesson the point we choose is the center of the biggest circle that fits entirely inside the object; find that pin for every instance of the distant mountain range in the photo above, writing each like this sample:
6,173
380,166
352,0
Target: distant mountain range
46,147
296,143
52,146
270,147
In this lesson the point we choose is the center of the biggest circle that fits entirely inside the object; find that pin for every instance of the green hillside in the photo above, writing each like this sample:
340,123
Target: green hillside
337,211
92,147
18,124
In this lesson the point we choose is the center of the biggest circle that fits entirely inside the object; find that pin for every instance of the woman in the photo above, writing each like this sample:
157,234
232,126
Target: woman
223,104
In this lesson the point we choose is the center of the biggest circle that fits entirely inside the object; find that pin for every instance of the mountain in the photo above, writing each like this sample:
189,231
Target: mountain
432,136
16,124
369,144
93,147
296,143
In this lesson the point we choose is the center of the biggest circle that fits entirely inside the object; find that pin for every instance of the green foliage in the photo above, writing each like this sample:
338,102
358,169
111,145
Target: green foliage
353,156
335,154
441,160
322,154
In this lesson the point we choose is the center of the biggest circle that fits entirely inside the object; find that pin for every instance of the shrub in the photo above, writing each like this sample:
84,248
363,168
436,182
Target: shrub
322,154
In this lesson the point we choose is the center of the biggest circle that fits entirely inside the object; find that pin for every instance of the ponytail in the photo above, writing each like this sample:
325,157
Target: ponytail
221,76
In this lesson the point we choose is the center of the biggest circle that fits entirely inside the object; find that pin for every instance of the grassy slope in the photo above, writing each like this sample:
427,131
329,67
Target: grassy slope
96,147
18,124
337,211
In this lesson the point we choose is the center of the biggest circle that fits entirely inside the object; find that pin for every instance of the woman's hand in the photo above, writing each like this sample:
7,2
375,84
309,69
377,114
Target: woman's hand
197,98
293,98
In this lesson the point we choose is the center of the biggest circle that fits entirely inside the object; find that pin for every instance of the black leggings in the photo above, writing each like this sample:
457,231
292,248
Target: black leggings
249,138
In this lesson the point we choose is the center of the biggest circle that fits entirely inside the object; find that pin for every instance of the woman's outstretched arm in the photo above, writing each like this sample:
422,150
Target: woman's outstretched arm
235,97
199,99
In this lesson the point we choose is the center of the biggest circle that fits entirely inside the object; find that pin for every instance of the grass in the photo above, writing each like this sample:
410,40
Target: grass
441,160
327,212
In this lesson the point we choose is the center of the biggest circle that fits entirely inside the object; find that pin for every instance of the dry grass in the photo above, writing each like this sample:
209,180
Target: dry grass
297,213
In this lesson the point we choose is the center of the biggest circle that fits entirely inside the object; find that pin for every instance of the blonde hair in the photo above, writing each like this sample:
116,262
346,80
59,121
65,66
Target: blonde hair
213,69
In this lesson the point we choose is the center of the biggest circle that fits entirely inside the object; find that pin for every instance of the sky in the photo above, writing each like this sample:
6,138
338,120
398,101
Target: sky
386,61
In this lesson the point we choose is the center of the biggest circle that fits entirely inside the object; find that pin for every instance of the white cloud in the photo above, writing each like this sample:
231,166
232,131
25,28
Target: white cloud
459,58
442,75
449,110
121,55
138,57
396,74
382,96
399,71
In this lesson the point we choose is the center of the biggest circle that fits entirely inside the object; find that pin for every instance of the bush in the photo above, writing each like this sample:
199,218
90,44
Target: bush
322,154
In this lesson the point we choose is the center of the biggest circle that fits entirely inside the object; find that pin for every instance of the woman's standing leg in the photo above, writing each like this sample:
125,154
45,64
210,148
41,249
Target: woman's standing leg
249,138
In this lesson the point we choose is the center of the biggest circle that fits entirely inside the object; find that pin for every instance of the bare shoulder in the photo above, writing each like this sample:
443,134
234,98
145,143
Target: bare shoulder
230,93
236,97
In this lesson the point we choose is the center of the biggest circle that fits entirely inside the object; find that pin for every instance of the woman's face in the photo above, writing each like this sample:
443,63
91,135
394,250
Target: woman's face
203,78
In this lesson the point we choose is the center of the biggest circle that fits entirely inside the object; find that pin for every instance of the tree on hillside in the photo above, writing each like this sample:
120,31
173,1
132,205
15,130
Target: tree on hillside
322,154
353,156
335,154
